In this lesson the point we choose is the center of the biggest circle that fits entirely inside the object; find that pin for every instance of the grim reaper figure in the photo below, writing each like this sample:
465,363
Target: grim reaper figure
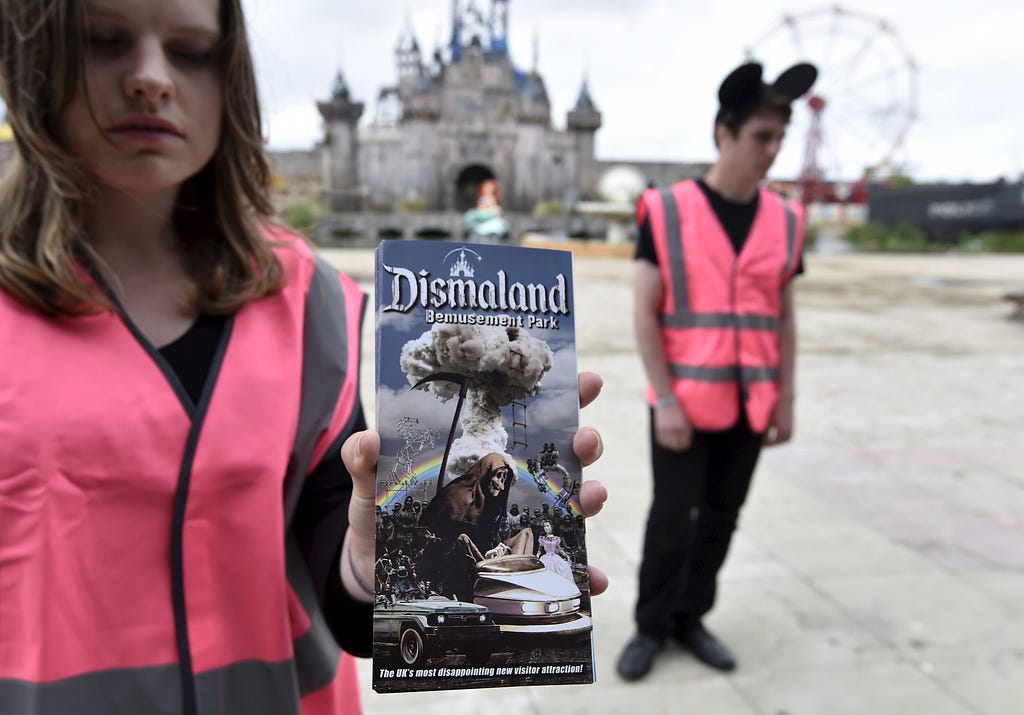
467,517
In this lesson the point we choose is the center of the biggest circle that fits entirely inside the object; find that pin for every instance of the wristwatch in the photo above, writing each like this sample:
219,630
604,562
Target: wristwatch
666,401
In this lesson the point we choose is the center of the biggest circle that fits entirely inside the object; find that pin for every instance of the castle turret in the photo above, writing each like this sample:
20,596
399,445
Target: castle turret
415,83
409,60
340,154
583,121
585,115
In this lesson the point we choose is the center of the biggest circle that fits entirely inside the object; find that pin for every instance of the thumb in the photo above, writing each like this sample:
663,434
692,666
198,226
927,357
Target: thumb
359,453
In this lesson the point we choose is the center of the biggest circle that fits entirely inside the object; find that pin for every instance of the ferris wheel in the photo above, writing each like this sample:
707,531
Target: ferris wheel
856,117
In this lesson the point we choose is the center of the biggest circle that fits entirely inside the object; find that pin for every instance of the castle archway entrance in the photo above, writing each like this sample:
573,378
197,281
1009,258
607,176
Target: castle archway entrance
468,184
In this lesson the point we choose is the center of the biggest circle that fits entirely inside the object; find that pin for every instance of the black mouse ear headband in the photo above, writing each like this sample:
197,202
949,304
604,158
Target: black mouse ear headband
744,85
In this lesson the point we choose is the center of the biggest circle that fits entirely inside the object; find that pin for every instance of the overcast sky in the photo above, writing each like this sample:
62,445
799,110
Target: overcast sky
654,67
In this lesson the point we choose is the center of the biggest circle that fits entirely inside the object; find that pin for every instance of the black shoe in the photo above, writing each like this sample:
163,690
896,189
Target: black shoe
706,648
637,656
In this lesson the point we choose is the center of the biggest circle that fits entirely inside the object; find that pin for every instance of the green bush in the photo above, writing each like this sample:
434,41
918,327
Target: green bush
999,242
299,217
413,205
811,237
554,207
904,237
909,238
867,237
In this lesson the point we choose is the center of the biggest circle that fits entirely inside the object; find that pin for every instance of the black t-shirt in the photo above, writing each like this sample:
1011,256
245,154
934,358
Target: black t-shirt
191,355
736,219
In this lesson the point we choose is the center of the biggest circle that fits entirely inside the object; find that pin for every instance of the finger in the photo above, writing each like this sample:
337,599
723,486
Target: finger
590,384
593,495
359,453
598,581
684,438
675,440
667,440
587,445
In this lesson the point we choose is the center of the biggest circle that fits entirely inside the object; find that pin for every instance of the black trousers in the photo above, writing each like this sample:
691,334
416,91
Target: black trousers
697,498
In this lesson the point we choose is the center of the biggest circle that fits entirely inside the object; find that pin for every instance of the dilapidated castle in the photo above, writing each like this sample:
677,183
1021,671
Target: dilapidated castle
463,115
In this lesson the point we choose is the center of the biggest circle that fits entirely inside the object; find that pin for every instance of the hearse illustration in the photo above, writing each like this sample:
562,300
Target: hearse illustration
434,627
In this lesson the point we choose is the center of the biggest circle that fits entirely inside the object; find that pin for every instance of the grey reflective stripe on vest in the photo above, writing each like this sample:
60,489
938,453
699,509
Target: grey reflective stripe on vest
757,322
676,260
697,320
250,687
721,320
681,315
790,238
155,690
326,354
316,652
723,374
325,360
704,374
759,374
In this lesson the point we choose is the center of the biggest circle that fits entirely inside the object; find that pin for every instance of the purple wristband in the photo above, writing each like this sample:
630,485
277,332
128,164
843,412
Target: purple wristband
355,573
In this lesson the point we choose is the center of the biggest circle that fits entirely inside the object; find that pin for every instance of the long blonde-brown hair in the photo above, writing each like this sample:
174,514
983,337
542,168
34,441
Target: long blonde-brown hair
43,192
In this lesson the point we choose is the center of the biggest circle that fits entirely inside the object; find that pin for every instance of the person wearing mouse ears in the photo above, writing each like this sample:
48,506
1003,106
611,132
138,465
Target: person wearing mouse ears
714,322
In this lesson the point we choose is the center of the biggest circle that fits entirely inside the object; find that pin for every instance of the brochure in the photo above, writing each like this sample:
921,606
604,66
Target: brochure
481,576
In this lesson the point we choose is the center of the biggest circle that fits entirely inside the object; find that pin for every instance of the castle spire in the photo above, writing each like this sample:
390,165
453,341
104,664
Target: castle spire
340,90
456,42
585,116
536,48
584,101
499,26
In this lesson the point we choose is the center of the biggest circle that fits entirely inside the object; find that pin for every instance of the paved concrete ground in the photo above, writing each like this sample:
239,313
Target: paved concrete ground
879,564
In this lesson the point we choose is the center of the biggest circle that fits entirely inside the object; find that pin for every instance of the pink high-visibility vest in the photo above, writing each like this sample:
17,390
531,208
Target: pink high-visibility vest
720,313
146,557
